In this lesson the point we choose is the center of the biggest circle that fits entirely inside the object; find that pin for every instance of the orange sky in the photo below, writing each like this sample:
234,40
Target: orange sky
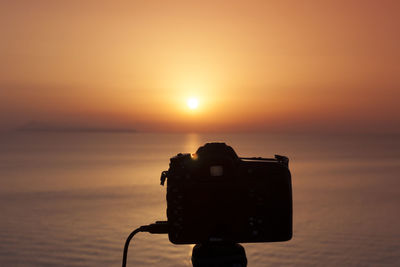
253,65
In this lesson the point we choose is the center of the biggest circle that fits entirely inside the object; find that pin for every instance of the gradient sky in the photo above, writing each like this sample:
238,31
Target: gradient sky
254,65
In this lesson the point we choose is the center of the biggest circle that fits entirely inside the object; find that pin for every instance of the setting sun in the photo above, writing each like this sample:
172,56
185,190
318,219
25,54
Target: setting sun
192,103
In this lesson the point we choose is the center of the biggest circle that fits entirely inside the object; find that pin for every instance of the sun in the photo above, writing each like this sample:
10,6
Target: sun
193,103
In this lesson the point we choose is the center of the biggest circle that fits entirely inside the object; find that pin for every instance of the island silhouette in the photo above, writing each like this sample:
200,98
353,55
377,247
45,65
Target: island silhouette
48,127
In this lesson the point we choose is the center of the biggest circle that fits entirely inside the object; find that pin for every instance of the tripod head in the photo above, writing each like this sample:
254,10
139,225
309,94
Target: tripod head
219,254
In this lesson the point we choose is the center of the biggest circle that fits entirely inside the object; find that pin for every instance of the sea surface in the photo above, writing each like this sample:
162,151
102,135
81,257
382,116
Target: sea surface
71,199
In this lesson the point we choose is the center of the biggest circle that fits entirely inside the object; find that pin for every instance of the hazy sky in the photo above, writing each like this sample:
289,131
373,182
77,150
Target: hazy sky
253,65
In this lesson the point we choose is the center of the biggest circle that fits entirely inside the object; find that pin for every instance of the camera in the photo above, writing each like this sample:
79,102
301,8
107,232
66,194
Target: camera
215,196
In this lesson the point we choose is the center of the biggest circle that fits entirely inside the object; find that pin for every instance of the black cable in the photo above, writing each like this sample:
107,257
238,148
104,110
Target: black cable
127,245
160,227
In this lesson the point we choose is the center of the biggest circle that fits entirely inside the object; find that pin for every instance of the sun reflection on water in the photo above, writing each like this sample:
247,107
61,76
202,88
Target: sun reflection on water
191,143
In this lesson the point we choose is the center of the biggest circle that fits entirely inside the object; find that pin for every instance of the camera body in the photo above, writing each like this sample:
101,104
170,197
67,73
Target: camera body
215,196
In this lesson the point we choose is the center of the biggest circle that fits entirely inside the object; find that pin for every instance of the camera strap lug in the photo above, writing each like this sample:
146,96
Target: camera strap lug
163,177
282,159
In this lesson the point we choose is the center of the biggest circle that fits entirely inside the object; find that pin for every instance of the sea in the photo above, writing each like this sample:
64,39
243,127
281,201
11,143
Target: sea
71,199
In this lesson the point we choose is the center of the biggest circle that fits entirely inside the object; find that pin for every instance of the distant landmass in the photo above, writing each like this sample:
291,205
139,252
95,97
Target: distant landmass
42,127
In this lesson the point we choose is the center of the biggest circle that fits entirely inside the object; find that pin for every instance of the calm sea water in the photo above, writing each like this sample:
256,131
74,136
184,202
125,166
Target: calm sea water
72,199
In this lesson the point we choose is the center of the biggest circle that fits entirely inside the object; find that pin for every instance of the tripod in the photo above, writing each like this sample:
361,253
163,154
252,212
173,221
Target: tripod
219,255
